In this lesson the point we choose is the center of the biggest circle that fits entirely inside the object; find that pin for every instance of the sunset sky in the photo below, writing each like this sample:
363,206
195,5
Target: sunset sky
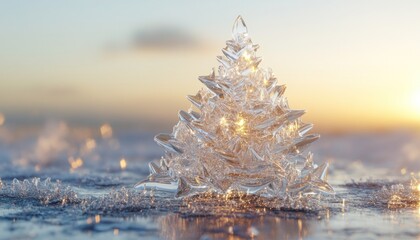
353,65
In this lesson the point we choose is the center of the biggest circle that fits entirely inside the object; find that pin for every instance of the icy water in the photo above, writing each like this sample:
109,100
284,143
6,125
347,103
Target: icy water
75,184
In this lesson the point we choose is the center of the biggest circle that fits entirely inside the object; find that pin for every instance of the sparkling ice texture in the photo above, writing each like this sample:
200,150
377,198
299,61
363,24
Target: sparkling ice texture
240,136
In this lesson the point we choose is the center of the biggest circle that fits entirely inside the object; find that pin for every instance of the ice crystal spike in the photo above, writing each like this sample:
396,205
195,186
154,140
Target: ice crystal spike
239,30
239,136
196,100
165,140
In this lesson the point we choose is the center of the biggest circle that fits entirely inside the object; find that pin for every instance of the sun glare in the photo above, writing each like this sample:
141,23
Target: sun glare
416,100
415,103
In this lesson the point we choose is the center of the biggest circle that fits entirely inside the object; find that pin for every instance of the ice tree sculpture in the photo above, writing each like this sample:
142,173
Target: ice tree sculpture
240,135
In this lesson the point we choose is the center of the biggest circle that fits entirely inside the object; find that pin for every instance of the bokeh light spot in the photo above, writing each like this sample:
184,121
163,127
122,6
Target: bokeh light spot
106,131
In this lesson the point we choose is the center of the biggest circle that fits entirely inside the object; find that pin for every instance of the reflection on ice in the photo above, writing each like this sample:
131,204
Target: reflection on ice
175,226
102,210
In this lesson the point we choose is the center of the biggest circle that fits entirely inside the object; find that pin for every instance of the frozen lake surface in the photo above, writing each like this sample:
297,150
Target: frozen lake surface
74,184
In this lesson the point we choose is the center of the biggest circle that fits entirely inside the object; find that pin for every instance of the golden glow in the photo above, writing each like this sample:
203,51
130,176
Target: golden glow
265,82
395,201
240,122
123,164
403,171
246,56
116,231
300,228
223,122
291,128
2,119
75,163
106,131
418,187
240,125
228,194
384,84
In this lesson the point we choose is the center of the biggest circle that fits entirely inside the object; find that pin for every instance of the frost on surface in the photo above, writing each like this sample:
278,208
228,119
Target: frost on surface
46,192
240,136
128,200
399,195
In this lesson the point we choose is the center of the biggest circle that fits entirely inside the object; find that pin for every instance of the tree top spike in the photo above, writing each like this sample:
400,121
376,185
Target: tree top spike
239,30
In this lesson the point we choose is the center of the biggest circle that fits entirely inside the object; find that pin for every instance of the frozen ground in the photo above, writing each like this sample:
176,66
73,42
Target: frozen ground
94,197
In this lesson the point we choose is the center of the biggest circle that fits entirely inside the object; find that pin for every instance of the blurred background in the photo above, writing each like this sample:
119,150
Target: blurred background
76,72
354,66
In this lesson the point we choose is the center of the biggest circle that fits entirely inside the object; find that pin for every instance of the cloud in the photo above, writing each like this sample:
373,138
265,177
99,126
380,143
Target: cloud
164,38
159,39
56,91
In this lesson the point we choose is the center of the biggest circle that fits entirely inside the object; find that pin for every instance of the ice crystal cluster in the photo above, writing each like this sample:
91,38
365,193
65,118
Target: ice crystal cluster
400,195
240,136
46,192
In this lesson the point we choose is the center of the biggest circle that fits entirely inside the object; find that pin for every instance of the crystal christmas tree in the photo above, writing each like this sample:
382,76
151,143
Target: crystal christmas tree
239,136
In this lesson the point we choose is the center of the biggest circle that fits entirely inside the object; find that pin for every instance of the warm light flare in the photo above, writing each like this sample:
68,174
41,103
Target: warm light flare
97,218
223,122
300,228
240,125
75,163
265,82
90,144
246,56
241,122
106,131
292,127
123,163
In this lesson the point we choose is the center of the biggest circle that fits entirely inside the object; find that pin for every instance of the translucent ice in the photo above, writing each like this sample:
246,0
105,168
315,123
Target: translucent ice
244,140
